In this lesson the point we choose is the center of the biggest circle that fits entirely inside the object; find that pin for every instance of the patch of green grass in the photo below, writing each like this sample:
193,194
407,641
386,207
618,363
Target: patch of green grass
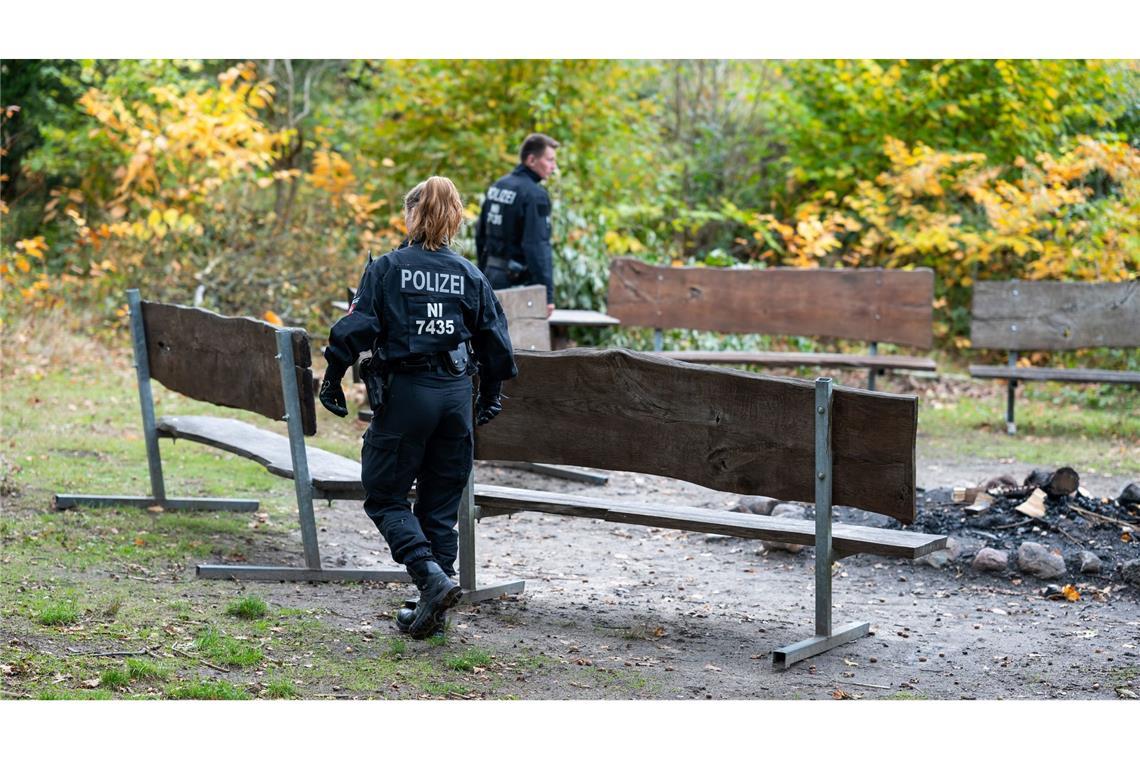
1047,432
281,689
248,608
469,660
444,688
619,679
1124,676
905,695
144,670
227,650
86,694
532,661
115,679
54,613
397,647
206,690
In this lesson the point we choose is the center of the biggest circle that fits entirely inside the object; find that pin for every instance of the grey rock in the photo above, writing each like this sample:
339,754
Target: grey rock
790,512
944,557
1130,494
755,505
1090,563
989,560
1040,561
1131,572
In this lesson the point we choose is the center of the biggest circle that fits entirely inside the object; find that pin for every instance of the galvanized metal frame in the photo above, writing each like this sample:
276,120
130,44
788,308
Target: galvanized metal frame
468,514
150,433
826,636
873,350
1011,395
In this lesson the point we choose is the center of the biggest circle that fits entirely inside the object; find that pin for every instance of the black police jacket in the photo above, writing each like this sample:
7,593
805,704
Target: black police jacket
514,225
413,301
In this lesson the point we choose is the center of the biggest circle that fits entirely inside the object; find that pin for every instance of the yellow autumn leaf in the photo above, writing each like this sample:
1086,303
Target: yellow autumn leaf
170,216
272,318
1071,593
154,220
22,264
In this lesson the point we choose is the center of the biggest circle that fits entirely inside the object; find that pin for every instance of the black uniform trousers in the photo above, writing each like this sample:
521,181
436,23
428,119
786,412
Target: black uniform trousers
423,434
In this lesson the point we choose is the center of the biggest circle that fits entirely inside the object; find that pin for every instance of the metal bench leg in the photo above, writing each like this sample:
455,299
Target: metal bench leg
874,351
826,637
468,513
1011,394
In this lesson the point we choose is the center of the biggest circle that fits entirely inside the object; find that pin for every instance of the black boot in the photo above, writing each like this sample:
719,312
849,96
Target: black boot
406,614
438,594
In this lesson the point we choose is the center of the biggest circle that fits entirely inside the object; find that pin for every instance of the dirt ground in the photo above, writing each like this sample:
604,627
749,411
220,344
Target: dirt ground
620,611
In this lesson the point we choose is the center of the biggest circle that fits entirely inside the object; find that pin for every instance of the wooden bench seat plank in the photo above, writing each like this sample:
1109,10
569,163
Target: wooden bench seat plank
847,539
328,471
1060,375
583,317
802,359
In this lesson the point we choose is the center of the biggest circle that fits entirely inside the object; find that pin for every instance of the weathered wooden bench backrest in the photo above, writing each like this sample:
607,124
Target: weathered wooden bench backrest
888,305
1019,315
720,428
526,316
228,361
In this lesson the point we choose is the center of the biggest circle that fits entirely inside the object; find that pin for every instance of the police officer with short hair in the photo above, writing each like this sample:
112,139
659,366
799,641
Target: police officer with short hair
512,238
431,320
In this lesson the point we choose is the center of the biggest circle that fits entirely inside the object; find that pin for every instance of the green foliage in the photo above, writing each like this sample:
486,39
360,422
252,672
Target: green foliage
206,690
281,688
840,111
257,187
58,613
469,660
216,646
248,608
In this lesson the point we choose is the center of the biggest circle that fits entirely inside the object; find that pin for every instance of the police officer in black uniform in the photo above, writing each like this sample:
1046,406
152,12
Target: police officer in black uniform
431,320
512,239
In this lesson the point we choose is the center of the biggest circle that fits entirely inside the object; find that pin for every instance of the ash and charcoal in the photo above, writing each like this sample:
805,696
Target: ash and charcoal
1047,510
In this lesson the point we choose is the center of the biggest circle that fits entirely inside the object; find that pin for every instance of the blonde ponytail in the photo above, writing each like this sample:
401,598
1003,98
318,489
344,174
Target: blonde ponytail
433,212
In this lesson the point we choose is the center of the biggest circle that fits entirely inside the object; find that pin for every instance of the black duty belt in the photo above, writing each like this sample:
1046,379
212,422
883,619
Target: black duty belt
459,366
417,363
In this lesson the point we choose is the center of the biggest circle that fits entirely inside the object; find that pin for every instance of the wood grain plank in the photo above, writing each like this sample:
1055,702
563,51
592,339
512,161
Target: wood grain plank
1004,372
527,301
270,449
228,361
890,306
583,317
529,333
721,428
848,539
802,359
1019,315
525,309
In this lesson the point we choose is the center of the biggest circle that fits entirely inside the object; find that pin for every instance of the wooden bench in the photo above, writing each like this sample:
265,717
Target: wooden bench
724,429
721,428
240,363
871,305
1016,315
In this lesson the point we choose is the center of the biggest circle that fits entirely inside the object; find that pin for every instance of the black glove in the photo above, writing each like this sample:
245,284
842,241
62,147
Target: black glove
490,403
331,396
